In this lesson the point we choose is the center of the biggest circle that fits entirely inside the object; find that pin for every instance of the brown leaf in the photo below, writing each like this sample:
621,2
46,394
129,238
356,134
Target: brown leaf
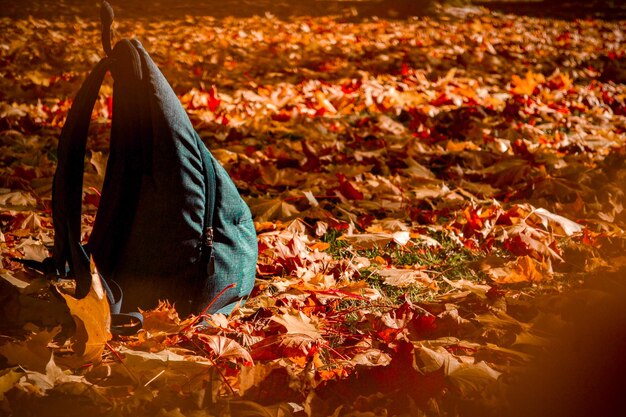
33,353
163,319
16,198
99,162
52,376
264,209
472,379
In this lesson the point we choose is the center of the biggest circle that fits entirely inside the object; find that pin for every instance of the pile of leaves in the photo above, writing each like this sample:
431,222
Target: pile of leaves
426,194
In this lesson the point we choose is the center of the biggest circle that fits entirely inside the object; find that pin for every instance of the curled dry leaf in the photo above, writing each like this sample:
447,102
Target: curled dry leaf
372,357
468,377
49,378
406,277
560,224
16,198
361,241
226,348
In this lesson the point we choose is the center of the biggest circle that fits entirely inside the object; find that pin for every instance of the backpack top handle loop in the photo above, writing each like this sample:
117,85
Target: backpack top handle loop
106,19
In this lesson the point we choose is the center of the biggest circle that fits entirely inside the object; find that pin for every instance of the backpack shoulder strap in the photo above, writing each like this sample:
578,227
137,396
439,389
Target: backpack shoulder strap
67,186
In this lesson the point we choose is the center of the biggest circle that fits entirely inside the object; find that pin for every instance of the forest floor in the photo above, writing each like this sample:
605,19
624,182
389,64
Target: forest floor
439,204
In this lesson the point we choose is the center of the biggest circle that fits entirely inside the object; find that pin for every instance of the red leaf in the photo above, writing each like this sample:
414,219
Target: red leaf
348,190
214,102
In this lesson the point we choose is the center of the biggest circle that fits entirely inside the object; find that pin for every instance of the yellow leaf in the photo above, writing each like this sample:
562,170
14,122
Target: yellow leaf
93,319
8,378
320,246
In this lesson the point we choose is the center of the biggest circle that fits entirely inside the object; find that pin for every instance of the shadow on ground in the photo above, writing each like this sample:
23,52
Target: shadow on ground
218,9
353,9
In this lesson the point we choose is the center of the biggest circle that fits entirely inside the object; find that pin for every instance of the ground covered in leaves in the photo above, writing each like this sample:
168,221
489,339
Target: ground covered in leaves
436,200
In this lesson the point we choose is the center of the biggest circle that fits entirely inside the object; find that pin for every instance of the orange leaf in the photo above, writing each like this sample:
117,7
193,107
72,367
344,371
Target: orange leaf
527,85
523,269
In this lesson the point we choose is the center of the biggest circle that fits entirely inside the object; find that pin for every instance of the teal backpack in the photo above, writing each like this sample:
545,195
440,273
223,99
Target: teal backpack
171,224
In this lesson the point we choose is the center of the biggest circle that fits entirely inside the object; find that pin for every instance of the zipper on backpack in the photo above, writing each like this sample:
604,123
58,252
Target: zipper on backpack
208,237
208,245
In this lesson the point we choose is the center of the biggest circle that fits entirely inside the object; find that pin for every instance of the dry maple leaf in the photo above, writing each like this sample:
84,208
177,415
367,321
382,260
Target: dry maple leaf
527,85
163,319
92,316
522,269
296,322
226,348
264,209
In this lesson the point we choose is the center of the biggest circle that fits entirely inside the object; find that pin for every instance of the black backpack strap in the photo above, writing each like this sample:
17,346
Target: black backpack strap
67,190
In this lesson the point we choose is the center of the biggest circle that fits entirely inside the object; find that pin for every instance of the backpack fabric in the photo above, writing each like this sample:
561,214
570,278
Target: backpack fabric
171,224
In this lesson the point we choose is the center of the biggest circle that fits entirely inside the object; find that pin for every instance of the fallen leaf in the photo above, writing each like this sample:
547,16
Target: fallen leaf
226,348
527,85
34,353
16,198
559,223
522,269
92,316
474,379
163,318
8,378
51,377
406,277
265,210
297,322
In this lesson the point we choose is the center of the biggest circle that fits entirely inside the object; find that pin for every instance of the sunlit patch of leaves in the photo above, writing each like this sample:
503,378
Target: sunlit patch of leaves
424,206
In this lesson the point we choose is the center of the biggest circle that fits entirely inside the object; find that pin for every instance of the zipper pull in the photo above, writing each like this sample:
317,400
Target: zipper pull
208,237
